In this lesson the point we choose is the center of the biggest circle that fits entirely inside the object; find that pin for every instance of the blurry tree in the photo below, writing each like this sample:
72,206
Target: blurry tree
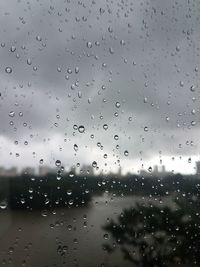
152,236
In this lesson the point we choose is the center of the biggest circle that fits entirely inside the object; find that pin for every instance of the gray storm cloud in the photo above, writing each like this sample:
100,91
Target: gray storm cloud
72,61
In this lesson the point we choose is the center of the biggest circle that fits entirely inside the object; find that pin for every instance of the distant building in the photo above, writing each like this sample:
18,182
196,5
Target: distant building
163,169
12,172
28,171
156,172
119,173
155,169
45,170
8,172
2,171
198,167
86,170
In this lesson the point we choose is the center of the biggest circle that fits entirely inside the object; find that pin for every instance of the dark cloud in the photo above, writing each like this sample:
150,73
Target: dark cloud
73,60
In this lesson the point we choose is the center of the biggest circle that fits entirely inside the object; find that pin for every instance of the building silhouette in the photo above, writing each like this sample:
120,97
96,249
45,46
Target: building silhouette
156,172
197,167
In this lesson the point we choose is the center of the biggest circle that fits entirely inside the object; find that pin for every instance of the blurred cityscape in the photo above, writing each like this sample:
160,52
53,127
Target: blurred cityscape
85,170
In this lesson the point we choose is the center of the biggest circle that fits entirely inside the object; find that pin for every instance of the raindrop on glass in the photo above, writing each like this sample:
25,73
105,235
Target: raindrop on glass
126,153
58,163
8,70
81,129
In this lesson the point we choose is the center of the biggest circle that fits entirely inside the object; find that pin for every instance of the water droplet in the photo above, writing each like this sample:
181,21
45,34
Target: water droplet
71,174
44,213
126,153
81,129
13,48
167,119
11,250
22,201
30,190
8,70
116,114
75,127
76,70
192,88
69,227
11,114
29,61
105,126
69,71
94,164
69,192
59,176
75,147
89,44
71,202
38,38
117,105
111,50
106,236
3,204
58,163
79,94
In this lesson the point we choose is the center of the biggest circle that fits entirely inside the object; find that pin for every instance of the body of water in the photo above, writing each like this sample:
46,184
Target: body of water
63,237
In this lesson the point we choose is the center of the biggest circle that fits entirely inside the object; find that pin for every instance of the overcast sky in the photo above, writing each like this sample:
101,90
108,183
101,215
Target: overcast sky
125,68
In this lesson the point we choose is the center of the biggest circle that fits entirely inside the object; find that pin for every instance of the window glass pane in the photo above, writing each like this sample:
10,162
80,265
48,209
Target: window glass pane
99,136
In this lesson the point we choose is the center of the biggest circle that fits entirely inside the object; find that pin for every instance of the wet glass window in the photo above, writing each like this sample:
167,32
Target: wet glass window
99,133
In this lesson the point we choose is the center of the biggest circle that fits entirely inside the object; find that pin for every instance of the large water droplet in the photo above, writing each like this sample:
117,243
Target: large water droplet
105,126
116,137
89,44
94,164
3,204
117,105
106,236
192,88
69,192
81,129
29,61
79,94
38,38
8,70
13,48
75,147
11,114
126,153
58,163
